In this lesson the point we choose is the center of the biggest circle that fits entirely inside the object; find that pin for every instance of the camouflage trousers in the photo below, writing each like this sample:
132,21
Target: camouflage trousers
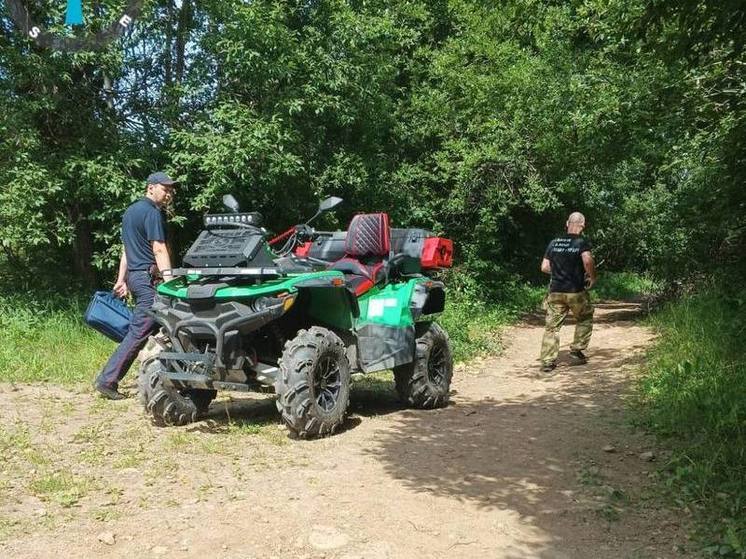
558,305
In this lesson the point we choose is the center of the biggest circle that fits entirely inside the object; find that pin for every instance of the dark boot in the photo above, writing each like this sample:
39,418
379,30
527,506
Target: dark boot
578,357
548,367
110,393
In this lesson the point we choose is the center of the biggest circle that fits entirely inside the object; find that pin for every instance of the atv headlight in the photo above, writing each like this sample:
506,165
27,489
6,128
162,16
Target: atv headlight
261,303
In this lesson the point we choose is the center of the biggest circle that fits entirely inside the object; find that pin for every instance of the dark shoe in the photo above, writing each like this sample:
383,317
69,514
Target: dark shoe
548,367
110,393
578,357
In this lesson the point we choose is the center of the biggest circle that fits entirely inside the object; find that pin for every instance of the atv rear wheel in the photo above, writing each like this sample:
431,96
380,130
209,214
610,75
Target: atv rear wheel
167,405
425,382
313,387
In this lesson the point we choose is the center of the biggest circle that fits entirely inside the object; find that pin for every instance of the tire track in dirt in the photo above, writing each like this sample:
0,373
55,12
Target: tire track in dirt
516,467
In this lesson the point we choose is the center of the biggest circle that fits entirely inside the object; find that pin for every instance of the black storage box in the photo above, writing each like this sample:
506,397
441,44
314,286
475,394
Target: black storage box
328,246
410,243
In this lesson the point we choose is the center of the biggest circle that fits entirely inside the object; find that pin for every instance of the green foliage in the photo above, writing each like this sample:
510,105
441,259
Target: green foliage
621,286
474,316
486,122
693,391
64,489
44,339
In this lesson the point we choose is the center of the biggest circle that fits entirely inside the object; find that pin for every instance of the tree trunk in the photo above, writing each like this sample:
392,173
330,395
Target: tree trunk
182,34
168,54
82,247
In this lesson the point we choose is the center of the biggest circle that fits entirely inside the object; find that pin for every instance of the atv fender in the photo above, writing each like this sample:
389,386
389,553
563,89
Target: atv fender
329,304
382,347
386,333
428,298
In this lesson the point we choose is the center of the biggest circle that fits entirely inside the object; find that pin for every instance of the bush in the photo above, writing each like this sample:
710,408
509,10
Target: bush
621,286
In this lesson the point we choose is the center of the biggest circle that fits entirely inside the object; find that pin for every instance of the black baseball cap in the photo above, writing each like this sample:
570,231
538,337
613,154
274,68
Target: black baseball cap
159,177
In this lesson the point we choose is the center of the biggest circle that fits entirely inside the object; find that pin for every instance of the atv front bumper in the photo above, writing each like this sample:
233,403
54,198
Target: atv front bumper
182,319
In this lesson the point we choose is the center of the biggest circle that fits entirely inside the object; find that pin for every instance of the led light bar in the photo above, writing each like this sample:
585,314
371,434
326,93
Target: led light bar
212,220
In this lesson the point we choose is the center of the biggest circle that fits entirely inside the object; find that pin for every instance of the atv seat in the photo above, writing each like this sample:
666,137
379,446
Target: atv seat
367,245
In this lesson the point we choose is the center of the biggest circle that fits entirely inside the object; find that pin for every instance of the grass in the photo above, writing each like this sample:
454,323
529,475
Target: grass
17,442
7,527
611,501
45,340
64,489
473,320
268,429
693,392
106,514
129,458
228,439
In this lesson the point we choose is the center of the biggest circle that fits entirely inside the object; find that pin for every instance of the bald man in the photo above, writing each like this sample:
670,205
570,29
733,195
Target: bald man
569,261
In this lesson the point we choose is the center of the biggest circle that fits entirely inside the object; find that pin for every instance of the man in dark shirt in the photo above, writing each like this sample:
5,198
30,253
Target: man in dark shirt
569,261
144,255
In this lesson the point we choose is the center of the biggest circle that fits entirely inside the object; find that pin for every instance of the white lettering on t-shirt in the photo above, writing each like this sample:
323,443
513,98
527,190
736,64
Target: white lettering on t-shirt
564,245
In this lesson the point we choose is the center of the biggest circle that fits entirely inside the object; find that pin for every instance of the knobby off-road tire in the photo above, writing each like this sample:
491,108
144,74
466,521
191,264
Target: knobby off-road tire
313,387
167,405
426,382
146,357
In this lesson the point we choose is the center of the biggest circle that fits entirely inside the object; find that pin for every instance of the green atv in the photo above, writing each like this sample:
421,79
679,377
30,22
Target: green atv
298,319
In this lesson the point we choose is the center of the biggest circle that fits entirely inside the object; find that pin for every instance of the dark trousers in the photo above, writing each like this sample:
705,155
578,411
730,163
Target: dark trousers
140,284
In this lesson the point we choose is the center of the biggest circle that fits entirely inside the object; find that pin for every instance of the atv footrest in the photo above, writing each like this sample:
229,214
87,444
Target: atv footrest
205,358
186,380
183,381
187,370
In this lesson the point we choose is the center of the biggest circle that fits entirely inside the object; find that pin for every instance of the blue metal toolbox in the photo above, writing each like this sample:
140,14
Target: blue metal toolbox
108,314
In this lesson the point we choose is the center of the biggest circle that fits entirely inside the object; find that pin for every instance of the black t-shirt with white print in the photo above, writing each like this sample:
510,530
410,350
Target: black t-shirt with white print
568,274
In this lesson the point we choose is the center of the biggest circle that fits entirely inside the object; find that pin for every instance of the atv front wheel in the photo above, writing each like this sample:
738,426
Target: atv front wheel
425,382
313,387
167,405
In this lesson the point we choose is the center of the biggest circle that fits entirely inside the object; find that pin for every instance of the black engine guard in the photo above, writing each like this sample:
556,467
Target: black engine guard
218,320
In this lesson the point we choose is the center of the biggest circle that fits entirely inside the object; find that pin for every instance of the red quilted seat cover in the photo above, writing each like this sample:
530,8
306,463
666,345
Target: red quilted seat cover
368,242
368,235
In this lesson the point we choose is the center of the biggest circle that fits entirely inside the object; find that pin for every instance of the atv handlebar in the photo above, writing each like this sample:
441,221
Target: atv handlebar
281,236
303,231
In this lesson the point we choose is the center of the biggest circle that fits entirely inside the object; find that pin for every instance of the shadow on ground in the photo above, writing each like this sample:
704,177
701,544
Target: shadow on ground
370,396
606,313
600,361
528,453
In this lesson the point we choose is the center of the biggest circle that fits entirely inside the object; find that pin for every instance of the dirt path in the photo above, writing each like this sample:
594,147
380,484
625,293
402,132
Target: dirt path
515,468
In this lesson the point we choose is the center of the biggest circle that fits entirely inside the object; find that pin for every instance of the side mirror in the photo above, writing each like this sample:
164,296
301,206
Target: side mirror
325,206
329,203
231,203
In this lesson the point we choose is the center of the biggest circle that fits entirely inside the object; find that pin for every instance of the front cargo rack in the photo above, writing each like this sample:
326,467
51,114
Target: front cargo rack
232,271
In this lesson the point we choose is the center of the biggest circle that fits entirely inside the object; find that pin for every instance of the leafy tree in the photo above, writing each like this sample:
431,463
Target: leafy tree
485,122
